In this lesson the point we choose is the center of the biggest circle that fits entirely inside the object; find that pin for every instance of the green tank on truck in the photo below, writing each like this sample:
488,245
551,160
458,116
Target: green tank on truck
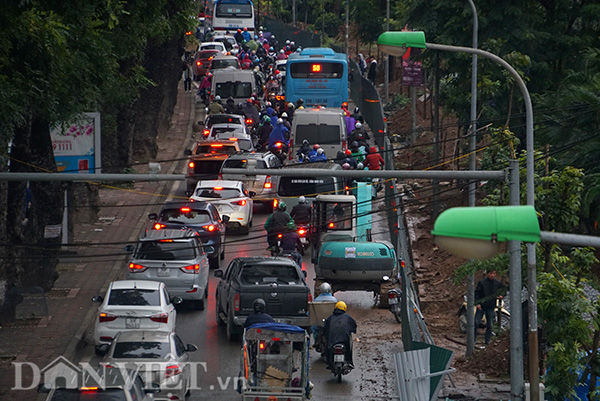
356,266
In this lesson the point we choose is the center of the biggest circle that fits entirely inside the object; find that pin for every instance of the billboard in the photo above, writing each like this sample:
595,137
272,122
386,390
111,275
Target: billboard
76,145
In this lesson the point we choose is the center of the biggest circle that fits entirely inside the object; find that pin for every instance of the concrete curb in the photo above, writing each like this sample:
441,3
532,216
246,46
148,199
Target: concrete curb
83,335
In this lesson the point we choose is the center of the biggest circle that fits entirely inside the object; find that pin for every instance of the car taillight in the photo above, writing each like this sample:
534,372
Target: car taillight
344,144
88,388
240,202
209,227
236,302
135,268
198,62
106,317
193,269
392,294
160,318
158,226
331,225
279,235
277,144
172,370
191,165
309,297
275,202
206,133
268,184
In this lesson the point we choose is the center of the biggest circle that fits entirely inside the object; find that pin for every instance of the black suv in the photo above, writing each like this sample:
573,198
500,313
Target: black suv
202,217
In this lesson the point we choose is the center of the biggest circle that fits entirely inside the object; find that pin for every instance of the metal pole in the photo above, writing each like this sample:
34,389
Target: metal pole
531,262
386,58
65,220
294,12
472,184
516,329
347,23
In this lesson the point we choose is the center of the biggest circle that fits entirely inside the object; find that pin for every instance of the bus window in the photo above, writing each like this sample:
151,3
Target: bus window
323,134
317,69
233,10
302,186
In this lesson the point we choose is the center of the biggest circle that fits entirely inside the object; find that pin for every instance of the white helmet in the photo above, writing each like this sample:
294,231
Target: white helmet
320,151
325,288
301,199
284,115
287,42
358,125
281,51
217,97
280,121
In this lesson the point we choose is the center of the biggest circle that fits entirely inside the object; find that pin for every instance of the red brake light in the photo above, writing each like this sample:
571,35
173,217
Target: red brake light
301,231
233,139
135,268
268,184
261,345
106,317
194,269
185,209
210,227
249,121
217,188
191,164
160,318
278,144
216,145
172,370
158,226
279,235
88,388
206,132
198,62
331,225
236,302
240,202
275,202
392,295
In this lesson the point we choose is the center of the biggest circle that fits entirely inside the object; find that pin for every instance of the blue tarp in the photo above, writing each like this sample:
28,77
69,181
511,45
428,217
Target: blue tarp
281,327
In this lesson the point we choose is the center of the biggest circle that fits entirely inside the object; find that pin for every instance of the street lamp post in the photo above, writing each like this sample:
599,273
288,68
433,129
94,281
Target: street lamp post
396,43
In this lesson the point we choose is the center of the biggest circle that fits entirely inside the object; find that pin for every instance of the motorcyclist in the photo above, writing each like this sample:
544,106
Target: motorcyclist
326,295
301,212
251,112
319,156
357,132
279,134
290,241
277,224
216,107
374,161
230,106
358,117
264,131
299,104
286,122
302,152
338,329
259,315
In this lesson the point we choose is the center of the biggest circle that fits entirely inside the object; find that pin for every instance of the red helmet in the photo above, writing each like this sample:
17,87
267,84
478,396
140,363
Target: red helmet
372,149
316,146
239,30
348,152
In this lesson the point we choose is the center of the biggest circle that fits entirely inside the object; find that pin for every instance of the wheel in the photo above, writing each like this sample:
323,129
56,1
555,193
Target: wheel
199,304
504,322
398,315
232,334
222,255
462,322
213,263
218,311
338,373
245,230
206,291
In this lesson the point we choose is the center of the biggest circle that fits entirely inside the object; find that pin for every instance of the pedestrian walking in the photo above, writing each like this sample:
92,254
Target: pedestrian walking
488,290
372,73
187,76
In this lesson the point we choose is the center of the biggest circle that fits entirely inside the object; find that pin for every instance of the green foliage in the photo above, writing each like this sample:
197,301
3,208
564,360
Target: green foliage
400,100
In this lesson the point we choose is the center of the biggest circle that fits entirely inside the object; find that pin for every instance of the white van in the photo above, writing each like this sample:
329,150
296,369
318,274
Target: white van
327,127
229,82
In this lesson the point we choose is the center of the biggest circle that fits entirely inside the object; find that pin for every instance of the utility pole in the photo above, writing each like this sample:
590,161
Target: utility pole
386,58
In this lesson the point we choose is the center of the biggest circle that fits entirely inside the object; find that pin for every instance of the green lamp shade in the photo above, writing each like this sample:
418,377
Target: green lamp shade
395,43
474,232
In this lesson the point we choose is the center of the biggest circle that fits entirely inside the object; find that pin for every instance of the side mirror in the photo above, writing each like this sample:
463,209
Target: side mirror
128,248
191,348
187,152
176,300
218,273
209,249
102,349
201,123
152,216
151,388
252,194
98,298
305,273
225,219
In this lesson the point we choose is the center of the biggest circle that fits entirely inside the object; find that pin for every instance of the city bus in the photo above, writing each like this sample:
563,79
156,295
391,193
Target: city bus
317,75
230,15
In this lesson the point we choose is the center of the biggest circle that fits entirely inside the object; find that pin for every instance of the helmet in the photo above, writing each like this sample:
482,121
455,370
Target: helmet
273,36
358,125
281,51
239,30
249,100
301,199
210,75
290,105
245,29
287,42
305,142
354,144
291,226
348,152
325,287
300,101
341,305
284,114
259,305
356,110
316,146
280,121
345,105
320,151
372,149
266,118
292,43
346,166
281,206
217,98
268,104
360,166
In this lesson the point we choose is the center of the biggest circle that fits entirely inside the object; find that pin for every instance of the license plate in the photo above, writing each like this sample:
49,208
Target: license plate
393,301
338,358
163,272
132,323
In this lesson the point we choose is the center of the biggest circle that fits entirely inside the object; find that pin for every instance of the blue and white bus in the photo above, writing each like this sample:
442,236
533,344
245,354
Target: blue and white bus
230,15
317,75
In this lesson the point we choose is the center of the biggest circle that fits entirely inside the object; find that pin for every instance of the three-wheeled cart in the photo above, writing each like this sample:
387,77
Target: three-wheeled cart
275,363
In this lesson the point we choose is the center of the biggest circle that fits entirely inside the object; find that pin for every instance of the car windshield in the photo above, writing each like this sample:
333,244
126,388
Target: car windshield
110,394
213,47
165,250
297,186
244,163
216,148
216,193
185,217
223,118
223,63
141,349
243,142
206,54
225,130
322,133
235,90
134,296
264,274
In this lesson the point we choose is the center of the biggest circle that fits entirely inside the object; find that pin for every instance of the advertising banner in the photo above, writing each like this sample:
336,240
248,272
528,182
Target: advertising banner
76,145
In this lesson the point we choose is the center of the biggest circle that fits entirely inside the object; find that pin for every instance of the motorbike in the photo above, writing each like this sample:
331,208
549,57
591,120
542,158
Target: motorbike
304,232
250,126
276,250
394,301
339,365
501,316
279,149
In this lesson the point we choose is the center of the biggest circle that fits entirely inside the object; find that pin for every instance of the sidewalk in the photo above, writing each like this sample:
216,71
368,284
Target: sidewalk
86,271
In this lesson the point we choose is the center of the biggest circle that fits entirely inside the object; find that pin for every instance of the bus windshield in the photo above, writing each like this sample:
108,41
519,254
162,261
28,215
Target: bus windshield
322,133
227,10
317,69
298,186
